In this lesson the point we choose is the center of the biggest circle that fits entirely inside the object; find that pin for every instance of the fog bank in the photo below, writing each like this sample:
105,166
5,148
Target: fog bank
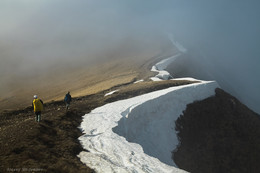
222,37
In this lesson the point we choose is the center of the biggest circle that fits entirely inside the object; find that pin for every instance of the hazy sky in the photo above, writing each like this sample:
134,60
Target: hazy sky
35,34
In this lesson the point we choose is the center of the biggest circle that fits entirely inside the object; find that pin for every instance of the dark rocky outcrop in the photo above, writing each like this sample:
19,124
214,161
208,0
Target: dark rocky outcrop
218,134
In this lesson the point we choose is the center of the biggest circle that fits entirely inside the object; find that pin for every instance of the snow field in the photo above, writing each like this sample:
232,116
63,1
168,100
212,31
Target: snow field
137,134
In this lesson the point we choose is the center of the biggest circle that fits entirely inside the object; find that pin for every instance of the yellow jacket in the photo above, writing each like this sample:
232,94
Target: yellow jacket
37,105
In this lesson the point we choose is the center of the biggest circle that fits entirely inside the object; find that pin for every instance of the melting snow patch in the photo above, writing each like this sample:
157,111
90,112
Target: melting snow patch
110,93
187,78
139,81
137,134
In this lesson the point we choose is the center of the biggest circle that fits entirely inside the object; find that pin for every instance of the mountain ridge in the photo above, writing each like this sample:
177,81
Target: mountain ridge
53,144
57,134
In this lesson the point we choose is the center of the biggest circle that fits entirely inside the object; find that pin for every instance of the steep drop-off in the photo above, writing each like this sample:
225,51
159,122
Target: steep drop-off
218,134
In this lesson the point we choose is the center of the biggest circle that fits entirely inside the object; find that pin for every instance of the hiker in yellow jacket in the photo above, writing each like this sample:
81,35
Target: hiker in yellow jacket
38,107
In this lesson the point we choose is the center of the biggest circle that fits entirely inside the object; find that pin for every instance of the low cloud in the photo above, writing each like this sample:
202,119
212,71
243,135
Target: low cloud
222,36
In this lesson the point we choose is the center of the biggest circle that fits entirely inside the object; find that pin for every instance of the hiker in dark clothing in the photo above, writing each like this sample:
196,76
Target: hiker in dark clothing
67,100
37,107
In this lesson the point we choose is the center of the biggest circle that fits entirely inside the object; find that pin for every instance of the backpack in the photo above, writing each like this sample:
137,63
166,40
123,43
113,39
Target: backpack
38,105
67,98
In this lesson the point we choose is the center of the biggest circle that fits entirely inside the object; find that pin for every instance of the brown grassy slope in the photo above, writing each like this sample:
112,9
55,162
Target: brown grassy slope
54,84
52,144
218,134
80,77
83,79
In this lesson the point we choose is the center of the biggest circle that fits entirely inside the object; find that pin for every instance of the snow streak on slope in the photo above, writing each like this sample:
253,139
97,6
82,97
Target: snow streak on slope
162,65
137,134
110,93
177,44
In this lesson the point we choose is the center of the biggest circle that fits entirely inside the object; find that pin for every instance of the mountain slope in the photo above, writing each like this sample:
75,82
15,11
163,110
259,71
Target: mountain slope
218,134
52,145
85,79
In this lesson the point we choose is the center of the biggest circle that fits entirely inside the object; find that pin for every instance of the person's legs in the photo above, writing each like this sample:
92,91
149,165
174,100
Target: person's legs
67,106
38,116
